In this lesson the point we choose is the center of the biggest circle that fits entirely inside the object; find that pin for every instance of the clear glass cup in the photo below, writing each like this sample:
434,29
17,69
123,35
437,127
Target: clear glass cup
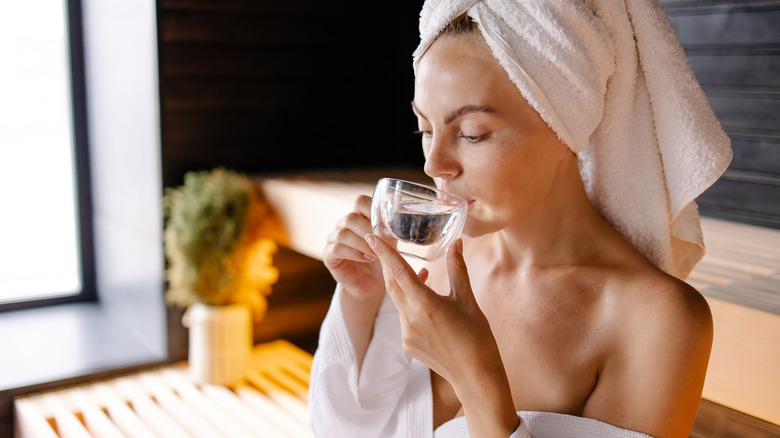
423,220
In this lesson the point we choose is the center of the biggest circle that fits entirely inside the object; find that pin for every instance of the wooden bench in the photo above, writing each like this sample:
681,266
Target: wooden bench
164,402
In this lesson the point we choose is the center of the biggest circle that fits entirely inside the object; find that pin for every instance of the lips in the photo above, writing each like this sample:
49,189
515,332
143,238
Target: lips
446,189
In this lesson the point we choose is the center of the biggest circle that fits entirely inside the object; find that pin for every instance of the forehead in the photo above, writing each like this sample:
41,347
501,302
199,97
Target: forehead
461,69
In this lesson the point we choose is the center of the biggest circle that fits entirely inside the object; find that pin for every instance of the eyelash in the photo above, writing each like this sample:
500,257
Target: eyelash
473,138
469,138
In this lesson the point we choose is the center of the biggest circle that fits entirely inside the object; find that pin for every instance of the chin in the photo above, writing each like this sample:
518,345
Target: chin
474,230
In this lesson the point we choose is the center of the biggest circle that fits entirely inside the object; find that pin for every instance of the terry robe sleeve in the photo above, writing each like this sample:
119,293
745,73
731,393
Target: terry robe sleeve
389,397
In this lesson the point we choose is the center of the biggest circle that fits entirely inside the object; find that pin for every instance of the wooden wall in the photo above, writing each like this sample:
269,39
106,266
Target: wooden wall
266,86
734,49
261,86
273,86
270,86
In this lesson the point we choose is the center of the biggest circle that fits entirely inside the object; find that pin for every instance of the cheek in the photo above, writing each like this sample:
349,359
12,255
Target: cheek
505,184
496,179
498,165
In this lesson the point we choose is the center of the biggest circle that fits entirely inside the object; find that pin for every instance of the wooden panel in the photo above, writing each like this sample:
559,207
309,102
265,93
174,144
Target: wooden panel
743,372
740,276
740,65
260,85
745,108
714,420
727,24
753,202
734,50
186,59
751,150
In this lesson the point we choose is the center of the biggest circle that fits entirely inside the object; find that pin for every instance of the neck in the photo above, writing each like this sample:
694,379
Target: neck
565,231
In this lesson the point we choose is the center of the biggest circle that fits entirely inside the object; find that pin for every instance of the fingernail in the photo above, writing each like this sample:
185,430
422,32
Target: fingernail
369,257
371,239
459,246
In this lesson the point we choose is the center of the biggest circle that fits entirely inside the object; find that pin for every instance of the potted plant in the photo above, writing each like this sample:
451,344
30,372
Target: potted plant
219,268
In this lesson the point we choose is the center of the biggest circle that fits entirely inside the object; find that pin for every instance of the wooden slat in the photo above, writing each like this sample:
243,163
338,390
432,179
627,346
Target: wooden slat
120,412
285,353
184,414
207,407
740,66
30,421
281,418
753,26
241,413
149,411
96,420
68,425
294,405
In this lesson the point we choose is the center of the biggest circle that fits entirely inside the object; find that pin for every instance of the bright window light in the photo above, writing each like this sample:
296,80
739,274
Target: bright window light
39,241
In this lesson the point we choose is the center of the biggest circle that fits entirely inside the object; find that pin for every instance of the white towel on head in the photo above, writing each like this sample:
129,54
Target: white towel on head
611,79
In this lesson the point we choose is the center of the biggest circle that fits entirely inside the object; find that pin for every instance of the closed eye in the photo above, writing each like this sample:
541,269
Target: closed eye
473,138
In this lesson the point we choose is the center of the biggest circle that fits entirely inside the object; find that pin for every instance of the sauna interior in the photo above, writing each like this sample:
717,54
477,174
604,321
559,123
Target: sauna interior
312,100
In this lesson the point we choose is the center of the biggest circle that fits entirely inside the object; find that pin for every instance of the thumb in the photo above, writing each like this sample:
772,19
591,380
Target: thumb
460,285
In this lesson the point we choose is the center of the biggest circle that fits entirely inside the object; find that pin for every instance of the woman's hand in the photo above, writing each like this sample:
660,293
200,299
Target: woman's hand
452,336
355,267
349,258
439,331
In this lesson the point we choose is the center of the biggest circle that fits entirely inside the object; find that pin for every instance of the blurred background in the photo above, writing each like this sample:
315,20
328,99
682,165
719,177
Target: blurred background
116,100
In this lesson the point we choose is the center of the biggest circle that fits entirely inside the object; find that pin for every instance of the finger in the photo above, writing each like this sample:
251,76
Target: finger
336,252
458,272
356,222
394,265
347,238
423,275
363,205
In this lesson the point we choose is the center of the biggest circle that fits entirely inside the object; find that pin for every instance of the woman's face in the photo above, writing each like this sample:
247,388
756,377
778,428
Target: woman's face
480,137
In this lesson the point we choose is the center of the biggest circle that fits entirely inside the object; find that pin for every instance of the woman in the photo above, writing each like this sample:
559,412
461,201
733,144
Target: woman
545,320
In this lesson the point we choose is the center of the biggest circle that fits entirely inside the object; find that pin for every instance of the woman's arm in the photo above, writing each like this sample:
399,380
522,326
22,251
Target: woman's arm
359,314
354,266
360,375
653,380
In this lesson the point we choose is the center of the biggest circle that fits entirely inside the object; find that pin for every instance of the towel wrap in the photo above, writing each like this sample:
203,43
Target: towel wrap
611,79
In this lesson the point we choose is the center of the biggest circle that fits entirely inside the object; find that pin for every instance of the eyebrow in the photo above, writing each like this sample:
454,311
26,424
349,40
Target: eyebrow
460,112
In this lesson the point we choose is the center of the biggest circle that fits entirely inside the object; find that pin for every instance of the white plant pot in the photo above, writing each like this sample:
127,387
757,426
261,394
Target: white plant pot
220,342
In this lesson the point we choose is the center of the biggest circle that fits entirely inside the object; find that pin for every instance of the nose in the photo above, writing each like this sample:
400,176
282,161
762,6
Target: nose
442,161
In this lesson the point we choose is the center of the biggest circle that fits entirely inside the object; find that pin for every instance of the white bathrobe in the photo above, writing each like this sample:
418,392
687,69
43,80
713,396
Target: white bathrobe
391,397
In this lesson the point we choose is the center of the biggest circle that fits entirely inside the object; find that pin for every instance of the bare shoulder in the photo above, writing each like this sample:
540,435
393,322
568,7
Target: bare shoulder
666,306
651,379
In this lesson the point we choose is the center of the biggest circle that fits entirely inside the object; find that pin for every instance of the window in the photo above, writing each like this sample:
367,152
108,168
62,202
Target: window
45,231
125,325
